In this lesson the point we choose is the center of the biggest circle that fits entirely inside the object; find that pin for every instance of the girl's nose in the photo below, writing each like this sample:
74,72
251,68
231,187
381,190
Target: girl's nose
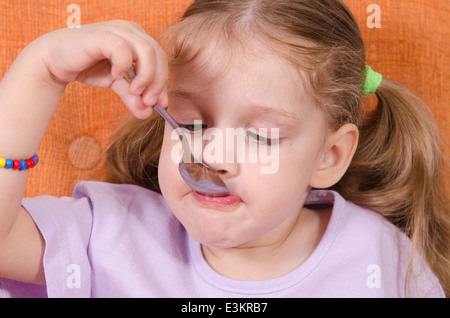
220,152
223,169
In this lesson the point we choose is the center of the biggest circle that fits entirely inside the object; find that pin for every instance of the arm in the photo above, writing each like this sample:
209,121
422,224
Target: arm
97,55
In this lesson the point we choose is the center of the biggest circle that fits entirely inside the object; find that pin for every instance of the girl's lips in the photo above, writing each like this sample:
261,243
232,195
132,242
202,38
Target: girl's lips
216,202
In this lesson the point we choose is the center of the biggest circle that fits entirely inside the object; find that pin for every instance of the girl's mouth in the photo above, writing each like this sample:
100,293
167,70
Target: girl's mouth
216,202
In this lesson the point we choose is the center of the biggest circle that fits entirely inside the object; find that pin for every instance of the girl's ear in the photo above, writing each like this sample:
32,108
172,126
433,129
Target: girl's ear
337,156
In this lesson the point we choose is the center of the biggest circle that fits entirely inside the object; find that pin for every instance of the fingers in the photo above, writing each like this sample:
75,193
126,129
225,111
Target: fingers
133,102
153,85
121,56
151,71
148,86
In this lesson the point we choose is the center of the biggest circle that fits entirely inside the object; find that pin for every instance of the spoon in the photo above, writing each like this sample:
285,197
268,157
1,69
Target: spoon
196,174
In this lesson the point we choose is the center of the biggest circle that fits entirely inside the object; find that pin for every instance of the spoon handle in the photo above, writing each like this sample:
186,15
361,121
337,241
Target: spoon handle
187,155
164,114
129,77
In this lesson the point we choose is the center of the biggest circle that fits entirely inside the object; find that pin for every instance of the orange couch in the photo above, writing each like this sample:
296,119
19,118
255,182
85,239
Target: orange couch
411,46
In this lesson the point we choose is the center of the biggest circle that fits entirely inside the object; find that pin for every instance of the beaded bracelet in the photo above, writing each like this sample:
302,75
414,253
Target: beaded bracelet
19,164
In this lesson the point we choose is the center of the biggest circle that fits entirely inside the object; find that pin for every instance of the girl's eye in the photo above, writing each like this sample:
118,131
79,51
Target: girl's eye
262,140
193,128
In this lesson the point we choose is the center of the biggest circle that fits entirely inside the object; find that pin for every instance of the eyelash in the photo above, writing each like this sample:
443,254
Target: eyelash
191,128
255,137
262,140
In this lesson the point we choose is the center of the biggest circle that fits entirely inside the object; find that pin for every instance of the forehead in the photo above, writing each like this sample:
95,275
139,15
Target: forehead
252,70
216,66
215,52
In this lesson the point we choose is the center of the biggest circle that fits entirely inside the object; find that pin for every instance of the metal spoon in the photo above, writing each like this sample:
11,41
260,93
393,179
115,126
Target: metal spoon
196,174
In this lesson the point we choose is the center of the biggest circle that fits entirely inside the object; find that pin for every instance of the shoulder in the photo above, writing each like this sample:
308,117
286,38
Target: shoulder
102,226
365,230
96,194
98,207
118,193
365,242
115,203
356,221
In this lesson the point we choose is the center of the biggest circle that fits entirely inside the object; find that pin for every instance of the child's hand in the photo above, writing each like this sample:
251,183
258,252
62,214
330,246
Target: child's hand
100,54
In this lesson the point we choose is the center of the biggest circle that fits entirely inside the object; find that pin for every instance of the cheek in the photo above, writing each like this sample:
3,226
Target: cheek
269,195
283,189
171,184
291,171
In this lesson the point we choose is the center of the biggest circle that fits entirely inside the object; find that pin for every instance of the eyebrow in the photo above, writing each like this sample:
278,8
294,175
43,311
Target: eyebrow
185,95
251,109
272,111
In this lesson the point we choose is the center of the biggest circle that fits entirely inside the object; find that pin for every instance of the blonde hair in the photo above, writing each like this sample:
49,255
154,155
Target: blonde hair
398,169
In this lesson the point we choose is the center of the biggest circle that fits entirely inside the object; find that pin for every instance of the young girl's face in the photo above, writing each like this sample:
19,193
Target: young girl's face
258,91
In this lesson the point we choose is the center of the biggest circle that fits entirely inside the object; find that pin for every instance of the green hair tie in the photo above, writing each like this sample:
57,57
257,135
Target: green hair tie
373,81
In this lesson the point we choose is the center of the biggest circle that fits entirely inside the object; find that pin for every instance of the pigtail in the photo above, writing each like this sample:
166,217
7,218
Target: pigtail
399,171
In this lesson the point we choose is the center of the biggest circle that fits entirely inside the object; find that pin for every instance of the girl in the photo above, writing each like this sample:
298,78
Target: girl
379,229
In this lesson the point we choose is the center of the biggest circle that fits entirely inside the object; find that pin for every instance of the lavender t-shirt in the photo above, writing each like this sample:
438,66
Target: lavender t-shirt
124,241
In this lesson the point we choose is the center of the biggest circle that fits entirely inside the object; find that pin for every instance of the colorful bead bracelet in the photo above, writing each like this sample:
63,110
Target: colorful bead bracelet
19,164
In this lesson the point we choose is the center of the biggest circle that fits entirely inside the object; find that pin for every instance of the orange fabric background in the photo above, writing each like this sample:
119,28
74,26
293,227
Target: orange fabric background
412,47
